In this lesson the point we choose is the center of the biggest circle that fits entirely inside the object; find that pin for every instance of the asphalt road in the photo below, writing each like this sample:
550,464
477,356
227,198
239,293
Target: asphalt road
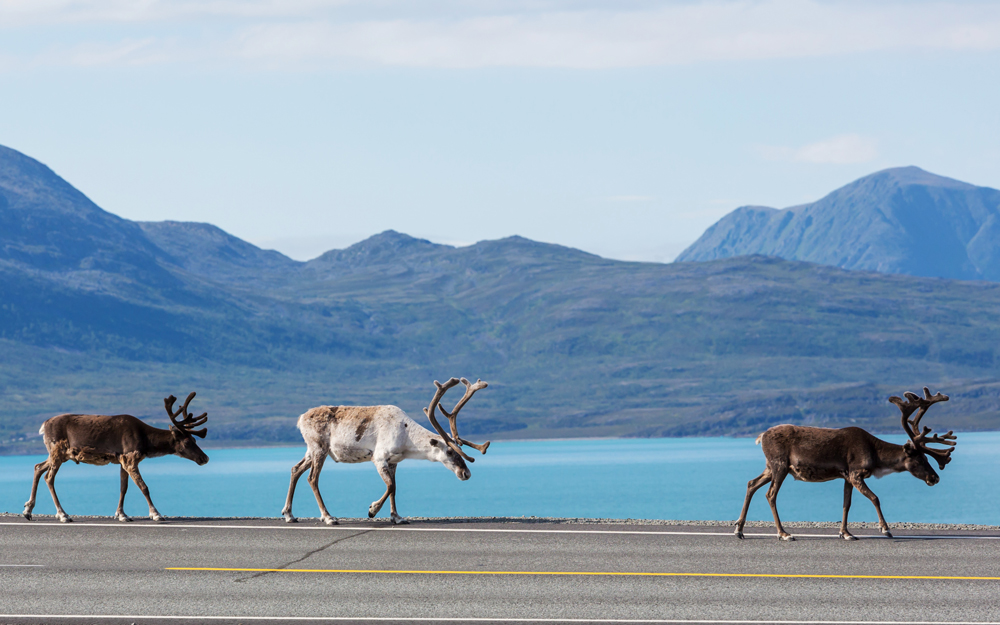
264,571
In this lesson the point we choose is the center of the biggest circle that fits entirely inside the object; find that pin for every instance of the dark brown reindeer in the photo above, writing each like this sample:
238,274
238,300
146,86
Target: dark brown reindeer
120,439
822,454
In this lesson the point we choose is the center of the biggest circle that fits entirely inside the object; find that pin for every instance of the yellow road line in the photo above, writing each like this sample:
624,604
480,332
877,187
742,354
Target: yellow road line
586,573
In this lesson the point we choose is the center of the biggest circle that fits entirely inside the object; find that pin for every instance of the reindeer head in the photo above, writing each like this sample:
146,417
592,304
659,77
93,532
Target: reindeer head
917,448
184,444
450,453
444,454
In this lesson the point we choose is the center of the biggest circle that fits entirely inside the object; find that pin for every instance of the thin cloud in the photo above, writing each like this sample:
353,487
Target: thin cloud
142,52
57,12
844,149
558,33
630,198
672,35
839,150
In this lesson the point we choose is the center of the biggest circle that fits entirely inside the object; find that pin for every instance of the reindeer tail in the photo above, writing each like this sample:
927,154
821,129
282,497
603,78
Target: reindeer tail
757,442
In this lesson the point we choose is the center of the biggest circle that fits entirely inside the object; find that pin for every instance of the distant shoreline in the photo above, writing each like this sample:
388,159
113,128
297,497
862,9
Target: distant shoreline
286,445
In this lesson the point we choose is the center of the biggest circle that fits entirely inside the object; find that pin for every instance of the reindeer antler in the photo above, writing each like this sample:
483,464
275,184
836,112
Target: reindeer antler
470,390
918,404
454,441
189,422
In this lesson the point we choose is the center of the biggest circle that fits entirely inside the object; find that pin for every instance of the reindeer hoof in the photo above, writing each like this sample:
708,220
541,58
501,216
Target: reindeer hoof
786,537
887,533
157,517
373,510
27,513
65,519
329,520
124,518
290,519
848,536
739,534
398,520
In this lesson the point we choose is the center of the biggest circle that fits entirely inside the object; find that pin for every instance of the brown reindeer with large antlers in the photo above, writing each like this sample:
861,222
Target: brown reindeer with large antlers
385,436
120,439
852,454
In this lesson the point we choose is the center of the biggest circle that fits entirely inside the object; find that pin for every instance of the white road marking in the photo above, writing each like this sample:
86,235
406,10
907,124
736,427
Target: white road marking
354,528
19,565
451,619
351,528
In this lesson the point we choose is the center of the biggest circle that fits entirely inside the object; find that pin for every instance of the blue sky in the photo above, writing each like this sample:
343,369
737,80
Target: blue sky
622,128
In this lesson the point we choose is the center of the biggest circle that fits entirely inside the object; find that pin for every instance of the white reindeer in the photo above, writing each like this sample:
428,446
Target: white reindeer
383,435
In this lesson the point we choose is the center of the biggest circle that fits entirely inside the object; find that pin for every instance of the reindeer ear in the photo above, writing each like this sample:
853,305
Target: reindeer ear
910,448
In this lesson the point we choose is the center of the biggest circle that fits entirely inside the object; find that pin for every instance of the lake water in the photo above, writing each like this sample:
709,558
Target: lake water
682,479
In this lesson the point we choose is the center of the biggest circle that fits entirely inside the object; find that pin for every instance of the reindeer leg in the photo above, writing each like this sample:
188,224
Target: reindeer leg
388,473
40,470
772,498
377,505
859,484
389,484
848,489
752,487
132,467
317,466
120,512
398,520
50,479
297,471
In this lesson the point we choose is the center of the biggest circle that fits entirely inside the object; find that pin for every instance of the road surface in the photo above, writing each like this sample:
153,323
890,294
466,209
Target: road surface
266,571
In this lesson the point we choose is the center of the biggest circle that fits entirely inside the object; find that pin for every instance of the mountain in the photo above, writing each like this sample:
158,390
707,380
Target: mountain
212,253
75,277
572,344
48,226
902,220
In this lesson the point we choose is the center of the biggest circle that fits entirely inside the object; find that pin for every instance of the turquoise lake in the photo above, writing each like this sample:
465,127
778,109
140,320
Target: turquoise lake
682,479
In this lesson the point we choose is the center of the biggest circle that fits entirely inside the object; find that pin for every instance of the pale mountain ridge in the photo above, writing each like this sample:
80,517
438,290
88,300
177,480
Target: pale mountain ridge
903,220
